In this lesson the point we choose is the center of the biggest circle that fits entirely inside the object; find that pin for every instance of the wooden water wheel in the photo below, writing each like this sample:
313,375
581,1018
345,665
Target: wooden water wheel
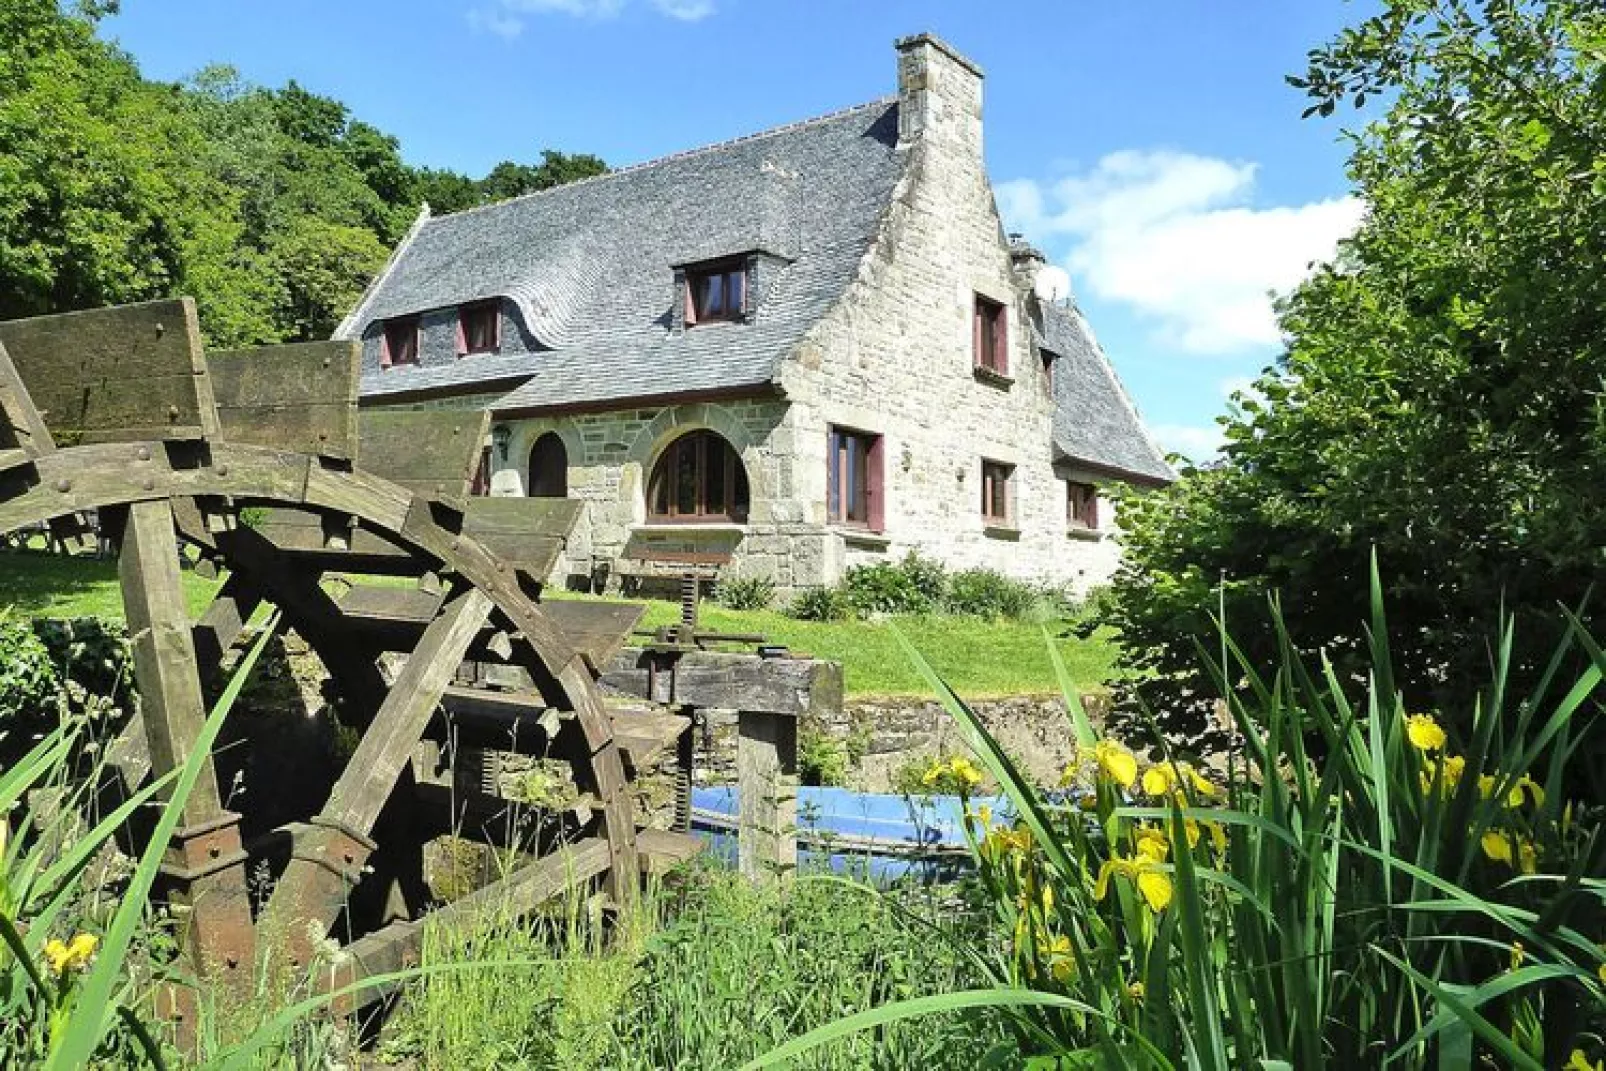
259,463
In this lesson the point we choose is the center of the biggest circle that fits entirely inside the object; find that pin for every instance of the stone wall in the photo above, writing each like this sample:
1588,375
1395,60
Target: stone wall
899,733
896,358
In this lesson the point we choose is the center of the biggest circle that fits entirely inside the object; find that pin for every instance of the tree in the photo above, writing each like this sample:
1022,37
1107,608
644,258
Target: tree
273,208
1440,396
508,179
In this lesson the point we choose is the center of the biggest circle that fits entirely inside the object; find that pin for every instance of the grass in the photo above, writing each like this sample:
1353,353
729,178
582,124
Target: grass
707,974
52,585
981,659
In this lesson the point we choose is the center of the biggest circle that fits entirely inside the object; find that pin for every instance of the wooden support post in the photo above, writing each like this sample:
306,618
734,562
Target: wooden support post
766,773
206,861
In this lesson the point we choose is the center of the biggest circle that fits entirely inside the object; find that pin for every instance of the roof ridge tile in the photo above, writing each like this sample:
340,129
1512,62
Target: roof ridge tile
788,128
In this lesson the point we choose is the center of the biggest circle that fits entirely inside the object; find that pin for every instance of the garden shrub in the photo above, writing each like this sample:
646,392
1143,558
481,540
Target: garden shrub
30,688
822,759
820,604
990,594
745,593
916,585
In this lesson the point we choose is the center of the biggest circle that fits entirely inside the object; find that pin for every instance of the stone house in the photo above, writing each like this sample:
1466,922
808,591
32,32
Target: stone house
788,353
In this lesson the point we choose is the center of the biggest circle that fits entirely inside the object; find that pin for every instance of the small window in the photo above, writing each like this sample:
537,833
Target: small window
1049,361
716,293
854,479
995,496
991,336
399,345
478,328
1081,505
549,467
698,478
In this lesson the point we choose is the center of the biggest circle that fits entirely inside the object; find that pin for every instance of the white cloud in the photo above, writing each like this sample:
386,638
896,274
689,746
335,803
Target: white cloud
1175,236
503,24
685,10
1196,443
505,18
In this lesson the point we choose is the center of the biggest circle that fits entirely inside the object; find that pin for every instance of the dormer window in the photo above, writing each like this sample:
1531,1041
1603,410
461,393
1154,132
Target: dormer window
399,344
478,328
716,292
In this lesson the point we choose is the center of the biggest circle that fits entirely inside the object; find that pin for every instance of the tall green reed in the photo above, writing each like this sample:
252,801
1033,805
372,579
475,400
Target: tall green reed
1359,888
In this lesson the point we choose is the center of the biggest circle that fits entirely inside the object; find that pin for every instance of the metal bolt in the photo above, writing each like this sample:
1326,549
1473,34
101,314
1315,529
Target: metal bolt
143,453
231,960
348,857
214,851
64,485
222,470
161,329
172,412
149,484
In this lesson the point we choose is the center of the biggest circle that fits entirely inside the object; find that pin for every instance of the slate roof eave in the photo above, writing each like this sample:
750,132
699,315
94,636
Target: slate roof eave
1096,425
589,265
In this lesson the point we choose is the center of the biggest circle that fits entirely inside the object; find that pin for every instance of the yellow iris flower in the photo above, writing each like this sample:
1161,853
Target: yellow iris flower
1116,762
1152,881
1579,1062
1152,843
73,955
1424,733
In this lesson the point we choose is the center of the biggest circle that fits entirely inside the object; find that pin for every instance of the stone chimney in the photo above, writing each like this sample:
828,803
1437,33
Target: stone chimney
1026,259
939,96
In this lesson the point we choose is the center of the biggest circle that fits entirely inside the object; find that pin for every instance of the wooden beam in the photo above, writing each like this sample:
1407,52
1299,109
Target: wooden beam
721,680
299,397
766,776
432,453
598,630
315,884
206,861
398,945
116,374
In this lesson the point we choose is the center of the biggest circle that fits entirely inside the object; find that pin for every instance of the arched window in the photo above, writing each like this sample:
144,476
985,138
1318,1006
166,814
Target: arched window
698,478
549,467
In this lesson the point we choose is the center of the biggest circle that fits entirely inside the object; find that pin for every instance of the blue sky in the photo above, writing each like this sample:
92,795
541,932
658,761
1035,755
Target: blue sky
1151,147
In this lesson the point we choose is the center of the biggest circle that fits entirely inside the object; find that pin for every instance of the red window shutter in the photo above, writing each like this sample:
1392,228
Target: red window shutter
977,317
875,485
384,345
1001,341
462,332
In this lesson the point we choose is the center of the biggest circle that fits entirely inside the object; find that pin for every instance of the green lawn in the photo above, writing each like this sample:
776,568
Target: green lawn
981,659
51,585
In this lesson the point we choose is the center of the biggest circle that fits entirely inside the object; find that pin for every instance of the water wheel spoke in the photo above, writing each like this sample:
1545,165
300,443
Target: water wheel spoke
328,861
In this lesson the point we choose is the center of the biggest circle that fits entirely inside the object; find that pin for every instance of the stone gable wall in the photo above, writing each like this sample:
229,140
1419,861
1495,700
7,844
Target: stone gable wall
895,358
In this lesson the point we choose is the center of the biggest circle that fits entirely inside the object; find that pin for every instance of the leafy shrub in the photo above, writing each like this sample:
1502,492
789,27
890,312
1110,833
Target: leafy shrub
822,759
30,689
745,593
820,604
990,594
916,585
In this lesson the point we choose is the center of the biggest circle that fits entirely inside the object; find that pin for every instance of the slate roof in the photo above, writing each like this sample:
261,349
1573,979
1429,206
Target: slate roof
1095,422
589,264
